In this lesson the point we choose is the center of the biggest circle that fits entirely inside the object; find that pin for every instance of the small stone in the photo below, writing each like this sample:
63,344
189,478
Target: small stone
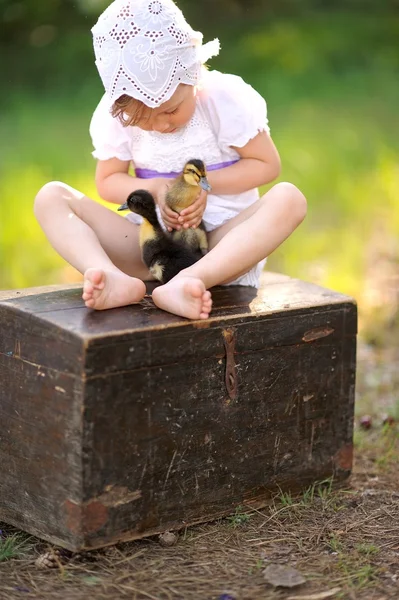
283,576
366,422
48,560
168,539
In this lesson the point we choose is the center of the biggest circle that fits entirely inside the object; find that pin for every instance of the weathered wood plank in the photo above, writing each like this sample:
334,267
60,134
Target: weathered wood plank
40,446
35,291
150,349
66,309
28,338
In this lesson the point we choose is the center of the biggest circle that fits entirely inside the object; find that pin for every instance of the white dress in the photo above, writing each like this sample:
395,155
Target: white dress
229,112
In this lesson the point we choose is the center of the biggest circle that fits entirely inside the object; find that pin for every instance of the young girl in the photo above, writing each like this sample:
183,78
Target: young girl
161,108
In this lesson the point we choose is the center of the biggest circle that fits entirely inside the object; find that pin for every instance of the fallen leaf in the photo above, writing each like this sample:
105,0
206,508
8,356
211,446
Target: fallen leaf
283,576
319,596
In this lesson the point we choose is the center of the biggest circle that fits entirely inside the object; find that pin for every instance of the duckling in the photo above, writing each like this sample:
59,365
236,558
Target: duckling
183,192
164,256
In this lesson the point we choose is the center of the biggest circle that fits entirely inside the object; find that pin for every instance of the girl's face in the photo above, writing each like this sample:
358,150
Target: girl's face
171,115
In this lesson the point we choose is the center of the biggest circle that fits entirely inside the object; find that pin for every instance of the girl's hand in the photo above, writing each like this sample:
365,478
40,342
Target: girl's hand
169,216
192,216
160,189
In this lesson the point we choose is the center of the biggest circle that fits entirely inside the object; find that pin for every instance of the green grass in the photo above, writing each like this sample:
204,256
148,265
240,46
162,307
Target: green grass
239,518
334,544
332,96
385,439
367,549
286,499
319,491
14,546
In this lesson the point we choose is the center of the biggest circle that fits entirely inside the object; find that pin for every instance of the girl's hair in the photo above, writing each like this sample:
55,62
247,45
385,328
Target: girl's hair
128,110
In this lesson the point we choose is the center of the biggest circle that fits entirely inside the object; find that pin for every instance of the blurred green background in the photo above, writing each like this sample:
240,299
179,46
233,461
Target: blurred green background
329,71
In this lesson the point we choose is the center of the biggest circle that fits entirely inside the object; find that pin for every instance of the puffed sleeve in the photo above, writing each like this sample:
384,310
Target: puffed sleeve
237,111
110,139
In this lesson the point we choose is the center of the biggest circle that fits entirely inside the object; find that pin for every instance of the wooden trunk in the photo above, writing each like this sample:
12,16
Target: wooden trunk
120,424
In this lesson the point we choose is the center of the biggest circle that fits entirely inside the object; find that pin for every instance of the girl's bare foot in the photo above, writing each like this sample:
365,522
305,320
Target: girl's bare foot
110,289
185,297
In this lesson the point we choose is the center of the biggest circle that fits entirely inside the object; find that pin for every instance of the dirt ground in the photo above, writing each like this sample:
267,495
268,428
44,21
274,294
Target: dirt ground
344,542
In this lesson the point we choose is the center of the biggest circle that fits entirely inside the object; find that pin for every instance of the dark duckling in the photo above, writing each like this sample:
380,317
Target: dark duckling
164,256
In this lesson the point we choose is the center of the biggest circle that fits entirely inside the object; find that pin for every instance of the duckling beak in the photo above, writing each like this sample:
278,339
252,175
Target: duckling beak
204,183
124,207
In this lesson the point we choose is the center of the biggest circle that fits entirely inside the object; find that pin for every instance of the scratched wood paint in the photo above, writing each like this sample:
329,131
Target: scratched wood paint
125,423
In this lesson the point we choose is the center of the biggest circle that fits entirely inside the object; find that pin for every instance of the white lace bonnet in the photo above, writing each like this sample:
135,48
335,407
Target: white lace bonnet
145,49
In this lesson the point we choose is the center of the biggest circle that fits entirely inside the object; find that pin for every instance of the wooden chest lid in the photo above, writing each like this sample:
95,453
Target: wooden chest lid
63,307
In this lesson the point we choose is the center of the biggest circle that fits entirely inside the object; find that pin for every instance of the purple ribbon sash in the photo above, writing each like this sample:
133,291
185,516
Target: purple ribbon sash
148,174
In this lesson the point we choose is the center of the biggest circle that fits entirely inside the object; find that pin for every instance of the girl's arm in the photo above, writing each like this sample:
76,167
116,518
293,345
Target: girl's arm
114,183
259,164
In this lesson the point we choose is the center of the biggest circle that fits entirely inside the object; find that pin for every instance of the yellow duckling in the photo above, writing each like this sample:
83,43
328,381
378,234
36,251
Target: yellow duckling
183,192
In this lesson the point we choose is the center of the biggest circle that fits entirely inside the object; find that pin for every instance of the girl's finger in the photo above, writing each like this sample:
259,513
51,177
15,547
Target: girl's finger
170,210
170,226
194,207
169,222
171,214
169,219
199,203
197,216
194,223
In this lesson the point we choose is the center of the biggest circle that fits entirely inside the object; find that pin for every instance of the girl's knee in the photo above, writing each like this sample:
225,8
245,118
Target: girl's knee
294,201
49,193
53,194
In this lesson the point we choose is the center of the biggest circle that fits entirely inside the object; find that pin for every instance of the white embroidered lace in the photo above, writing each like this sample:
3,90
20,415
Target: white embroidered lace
145,49
196,139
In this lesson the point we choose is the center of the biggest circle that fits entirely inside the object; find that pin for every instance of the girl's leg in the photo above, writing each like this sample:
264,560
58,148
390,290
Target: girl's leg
99,243
236,247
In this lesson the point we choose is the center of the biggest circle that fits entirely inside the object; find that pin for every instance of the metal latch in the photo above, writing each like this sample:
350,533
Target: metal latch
229,338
